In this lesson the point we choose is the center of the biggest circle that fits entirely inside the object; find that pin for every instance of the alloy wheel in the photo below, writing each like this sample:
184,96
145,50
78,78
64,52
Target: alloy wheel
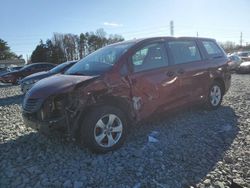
215,95
108,130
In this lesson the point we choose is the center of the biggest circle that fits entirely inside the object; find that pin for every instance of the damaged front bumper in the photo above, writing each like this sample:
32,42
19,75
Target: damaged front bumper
44,126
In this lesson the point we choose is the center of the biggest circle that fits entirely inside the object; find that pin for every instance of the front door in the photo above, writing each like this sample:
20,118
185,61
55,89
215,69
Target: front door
154,85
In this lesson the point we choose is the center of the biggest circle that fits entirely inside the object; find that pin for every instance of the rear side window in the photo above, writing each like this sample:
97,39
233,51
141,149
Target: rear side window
150,57
46,66
184,51
212,49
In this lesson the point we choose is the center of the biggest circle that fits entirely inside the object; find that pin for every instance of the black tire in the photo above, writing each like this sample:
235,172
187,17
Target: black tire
210,105
88,129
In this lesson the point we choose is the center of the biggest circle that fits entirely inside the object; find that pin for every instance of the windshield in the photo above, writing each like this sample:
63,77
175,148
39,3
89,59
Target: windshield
99,61
58,68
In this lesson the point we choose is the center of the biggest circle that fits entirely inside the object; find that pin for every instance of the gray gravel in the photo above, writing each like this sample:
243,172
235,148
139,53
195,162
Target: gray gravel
195,148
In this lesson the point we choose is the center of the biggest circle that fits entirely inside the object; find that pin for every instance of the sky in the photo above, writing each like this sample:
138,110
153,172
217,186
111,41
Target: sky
24,22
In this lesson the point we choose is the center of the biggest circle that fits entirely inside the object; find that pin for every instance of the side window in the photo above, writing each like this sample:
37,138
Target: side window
184,51
212,49
150,57
38,67
46,66
32,68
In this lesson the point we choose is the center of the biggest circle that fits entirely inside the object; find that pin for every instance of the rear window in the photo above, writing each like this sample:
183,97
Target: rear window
212,49
184,51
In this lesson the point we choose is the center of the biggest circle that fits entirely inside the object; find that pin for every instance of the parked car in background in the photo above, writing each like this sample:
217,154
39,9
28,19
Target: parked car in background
15,76
3,70
10,69
30,80
235,61
244,68
98,98
244,55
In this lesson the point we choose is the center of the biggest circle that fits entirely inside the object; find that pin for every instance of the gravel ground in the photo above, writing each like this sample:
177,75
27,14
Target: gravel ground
193,148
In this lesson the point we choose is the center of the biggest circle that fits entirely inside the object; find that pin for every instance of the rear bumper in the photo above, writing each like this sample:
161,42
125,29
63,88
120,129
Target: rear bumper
44,126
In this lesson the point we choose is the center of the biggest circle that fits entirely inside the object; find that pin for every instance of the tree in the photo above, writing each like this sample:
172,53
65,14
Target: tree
54,54
228,46
82,45
5,52
115,38
62,47
71,48
40,54
231,47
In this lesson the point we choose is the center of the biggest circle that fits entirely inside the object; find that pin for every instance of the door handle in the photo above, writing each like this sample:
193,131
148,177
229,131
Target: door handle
180,71
170,73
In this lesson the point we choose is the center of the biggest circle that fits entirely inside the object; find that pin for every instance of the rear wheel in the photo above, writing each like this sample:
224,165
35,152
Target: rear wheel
104,129
215,96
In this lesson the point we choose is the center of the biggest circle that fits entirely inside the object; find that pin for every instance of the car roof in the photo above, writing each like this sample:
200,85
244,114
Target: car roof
40,63
161,38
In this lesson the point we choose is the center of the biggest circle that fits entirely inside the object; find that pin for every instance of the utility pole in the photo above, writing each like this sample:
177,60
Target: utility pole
172,28
27,58
241,39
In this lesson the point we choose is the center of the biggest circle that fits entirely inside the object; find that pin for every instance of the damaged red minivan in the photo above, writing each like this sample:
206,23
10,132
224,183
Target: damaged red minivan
98,98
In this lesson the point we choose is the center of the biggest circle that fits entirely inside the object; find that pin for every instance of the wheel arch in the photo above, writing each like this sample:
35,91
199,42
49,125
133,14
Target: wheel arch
222,83
122,103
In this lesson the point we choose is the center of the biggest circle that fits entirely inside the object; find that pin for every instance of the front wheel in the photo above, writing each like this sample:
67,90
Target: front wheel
104,129
215,96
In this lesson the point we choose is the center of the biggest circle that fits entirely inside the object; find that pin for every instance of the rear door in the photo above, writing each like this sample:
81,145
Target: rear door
216,60
152,81
190,69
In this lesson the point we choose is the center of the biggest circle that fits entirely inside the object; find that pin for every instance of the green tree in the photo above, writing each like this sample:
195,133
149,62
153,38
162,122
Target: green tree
115,38
5,52
82,45
55,53
62,47
40,54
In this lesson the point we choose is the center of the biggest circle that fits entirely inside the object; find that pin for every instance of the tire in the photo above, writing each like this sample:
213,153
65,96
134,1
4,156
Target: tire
104,129
215,96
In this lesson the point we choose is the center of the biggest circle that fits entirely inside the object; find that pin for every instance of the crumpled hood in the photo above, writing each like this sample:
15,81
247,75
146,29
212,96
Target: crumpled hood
244,64
56,84
37,76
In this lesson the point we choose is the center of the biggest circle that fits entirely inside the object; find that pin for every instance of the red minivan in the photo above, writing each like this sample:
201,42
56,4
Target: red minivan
99,97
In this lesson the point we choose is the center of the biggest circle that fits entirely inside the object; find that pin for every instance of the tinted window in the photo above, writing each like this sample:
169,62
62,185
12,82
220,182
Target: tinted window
243,54
150,57
212,49
60,68
33,67
184,51
45,66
